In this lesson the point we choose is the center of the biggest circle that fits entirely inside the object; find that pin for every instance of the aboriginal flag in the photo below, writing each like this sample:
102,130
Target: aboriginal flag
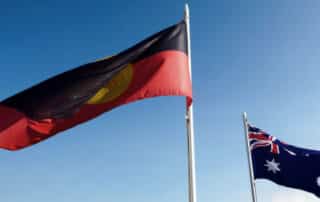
156,66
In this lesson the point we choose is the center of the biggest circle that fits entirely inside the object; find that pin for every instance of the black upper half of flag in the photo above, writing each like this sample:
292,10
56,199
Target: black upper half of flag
62,95
284,164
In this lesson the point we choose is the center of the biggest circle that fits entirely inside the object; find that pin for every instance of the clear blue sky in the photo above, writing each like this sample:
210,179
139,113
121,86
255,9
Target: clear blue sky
256,56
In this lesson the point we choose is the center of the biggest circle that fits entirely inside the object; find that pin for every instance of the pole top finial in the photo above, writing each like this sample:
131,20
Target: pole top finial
186,10
244,115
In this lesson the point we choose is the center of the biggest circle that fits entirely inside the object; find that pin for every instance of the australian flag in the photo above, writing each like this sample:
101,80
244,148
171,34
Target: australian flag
284,164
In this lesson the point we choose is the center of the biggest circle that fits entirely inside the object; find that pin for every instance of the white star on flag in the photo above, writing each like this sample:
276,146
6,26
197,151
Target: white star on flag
272,166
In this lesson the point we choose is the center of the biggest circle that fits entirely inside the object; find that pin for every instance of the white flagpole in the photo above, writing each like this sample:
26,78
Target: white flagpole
252,182
189,119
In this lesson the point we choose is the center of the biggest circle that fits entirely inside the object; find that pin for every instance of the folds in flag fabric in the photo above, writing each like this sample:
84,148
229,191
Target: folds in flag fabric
157,66
284,164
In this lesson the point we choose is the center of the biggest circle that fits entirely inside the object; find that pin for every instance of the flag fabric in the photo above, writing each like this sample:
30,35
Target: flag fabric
284,164
156,66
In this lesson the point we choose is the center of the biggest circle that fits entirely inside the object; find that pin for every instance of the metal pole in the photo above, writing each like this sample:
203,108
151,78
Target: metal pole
189,119
252,182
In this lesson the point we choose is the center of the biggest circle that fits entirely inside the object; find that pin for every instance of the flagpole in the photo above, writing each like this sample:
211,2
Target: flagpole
252,182
189,120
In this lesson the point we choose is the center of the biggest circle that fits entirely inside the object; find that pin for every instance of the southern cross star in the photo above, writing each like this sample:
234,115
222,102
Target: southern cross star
272,166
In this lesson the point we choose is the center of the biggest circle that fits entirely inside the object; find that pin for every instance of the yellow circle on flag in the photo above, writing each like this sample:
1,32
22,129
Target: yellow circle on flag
116,87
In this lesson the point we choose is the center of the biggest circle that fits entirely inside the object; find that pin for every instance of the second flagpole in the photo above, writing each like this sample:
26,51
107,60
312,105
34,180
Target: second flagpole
252,182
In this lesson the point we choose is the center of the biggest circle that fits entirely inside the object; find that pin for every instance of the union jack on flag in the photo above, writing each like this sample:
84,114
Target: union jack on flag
259,138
